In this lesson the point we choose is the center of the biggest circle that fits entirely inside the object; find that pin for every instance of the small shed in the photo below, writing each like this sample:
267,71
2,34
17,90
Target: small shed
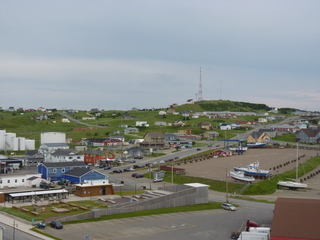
89,190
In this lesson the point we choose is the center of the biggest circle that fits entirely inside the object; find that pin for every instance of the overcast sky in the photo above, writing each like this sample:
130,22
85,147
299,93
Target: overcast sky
122,54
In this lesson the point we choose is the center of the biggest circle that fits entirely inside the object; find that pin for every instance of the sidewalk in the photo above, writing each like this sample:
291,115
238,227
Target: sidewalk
21,225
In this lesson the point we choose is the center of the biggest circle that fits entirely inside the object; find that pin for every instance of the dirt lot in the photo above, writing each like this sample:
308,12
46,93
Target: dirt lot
216,168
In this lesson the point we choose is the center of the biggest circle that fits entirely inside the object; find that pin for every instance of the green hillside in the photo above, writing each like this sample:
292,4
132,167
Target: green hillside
25,125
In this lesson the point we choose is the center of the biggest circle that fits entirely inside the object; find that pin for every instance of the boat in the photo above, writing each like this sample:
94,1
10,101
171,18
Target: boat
254,170
256,144
294,185
239,175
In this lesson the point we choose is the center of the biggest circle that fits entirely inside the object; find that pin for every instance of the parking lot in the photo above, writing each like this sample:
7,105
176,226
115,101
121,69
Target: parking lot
208,224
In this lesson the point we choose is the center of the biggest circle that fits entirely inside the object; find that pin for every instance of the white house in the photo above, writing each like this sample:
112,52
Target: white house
142,124
225,127
160,123
20,180
66,156
65,120
262,120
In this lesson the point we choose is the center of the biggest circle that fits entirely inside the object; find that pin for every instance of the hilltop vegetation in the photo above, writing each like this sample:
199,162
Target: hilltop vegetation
26,125
232,106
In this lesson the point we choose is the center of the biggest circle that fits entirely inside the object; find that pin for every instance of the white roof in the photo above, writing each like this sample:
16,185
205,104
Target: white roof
37,193
196,185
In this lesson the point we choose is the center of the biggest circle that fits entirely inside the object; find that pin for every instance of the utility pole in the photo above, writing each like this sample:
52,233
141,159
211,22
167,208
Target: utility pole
227,199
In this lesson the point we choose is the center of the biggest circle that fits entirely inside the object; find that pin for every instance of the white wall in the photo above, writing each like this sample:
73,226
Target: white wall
52,137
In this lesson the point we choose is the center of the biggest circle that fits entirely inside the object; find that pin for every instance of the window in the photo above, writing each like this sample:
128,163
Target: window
22,180
63,170
16,180
8,181
0,181
54,170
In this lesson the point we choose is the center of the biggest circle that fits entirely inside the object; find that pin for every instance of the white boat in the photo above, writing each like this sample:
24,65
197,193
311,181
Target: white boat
254,170
256,145
239,175
294,185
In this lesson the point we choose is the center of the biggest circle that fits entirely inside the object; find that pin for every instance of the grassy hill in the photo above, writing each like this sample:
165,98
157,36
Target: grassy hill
25,125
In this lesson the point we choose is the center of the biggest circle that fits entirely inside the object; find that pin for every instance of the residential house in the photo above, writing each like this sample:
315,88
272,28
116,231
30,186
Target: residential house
88,118
258,136
30,110
54,171
42,117
94,110
185,131
160,123
308,136
161,113
92,157
205,125
189,138
48,148
171,137
135,152
190,101
235,125
72,111
142,124
78,175
19,180
65,120
126,116
248,123
286,128
262,120
177,123
180,144
66,155
225,126
153,139
131,130
210,134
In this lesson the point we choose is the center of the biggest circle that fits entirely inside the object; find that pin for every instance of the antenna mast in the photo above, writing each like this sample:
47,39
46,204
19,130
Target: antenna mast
200,88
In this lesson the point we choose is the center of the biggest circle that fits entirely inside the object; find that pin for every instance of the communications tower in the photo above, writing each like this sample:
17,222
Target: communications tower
200,88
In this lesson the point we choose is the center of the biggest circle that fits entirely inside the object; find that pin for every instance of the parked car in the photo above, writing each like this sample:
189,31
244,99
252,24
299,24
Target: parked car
139,175
134,174
56,224
117,171
176,157
157,180
133,161
198,149
228,206
107,168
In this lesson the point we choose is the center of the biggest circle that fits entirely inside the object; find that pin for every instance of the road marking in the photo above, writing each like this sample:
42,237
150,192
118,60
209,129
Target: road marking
118,220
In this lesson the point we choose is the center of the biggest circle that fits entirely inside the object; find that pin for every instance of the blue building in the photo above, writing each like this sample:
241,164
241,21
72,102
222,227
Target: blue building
53,171
79,175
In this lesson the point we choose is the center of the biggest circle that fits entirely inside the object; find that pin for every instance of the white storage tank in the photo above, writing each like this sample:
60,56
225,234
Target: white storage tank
53,137
22,143
9,141
29,144
2,139
15,144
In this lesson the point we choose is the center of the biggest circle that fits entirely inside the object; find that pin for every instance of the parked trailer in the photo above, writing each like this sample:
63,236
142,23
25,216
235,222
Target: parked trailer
255,233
